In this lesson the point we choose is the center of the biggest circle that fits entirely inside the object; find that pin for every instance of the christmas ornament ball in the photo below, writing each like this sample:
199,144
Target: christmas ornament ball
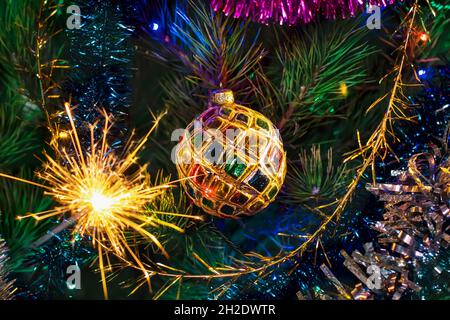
230,159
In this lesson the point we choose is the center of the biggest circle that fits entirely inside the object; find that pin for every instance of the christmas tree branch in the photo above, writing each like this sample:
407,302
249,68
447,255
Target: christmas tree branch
214,50
28,78
315,68
28,83
376,147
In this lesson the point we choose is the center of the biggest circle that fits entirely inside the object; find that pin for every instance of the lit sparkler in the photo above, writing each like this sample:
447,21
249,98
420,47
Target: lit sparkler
103,198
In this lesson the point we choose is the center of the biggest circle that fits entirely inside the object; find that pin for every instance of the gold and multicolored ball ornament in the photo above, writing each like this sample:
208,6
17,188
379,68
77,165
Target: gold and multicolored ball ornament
230,159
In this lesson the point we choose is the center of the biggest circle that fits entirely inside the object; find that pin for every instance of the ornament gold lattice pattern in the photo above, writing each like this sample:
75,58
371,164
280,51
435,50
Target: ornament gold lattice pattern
230,159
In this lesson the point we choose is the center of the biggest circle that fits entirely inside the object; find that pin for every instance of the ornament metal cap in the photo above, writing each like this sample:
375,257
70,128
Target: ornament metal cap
221,97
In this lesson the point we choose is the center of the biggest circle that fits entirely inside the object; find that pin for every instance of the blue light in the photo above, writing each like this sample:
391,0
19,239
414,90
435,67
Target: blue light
422,72
155,26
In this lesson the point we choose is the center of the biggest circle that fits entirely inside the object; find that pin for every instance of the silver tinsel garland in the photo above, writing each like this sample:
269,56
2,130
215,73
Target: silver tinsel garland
414,232
6,285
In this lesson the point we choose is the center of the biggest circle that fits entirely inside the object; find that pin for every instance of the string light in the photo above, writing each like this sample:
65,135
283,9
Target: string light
343,88
423,37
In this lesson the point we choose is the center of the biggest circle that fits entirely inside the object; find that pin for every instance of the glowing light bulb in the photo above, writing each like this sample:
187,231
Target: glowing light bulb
423,36
343,88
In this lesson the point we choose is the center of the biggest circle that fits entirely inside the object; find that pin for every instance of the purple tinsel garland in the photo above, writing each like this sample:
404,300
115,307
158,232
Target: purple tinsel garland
291,12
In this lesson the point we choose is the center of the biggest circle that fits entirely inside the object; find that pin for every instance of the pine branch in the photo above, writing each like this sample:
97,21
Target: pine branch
377,146
314,70
29,63
314,180
18,199
28,58
437,15
27,53
212,50
18,137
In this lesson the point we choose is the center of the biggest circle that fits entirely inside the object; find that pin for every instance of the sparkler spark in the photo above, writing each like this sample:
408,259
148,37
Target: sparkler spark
103,198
